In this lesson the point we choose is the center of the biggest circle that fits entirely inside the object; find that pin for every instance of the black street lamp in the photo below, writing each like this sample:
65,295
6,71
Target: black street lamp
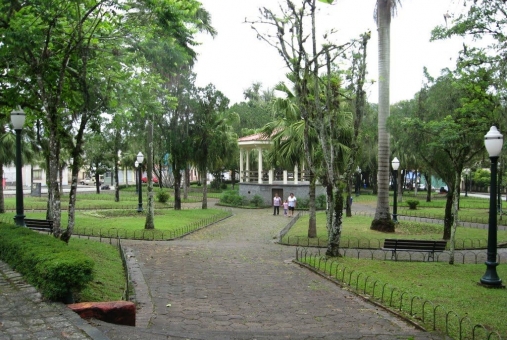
395,164
18,120
493,141
467,173
136,165
140,159
499,190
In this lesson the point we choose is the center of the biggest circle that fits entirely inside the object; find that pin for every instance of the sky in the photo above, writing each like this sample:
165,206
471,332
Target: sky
235,58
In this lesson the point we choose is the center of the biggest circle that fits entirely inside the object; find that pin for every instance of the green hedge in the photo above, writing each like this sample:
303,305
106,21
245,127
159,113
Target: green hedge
45,262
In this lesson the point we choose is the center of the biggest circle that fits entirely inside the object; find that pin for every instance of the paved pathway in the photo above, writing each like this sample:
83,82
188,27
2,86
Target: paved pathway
230,281
24,315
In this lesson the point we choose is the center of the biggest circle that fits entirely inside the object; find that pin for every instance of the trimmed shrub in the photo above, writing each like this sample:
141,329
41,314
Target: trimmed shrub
257,201
412,204
45,262
163,196
233,198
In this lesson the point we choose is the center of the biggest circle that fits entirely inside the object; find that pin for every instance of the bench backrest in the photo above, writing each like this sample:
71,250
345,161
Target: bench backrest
435,245
38,224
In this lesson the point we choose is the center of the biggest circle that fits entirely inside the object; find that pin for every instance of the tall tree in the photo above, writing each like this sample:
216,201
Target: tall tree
287,136
458,111
320,99
209,123
383,13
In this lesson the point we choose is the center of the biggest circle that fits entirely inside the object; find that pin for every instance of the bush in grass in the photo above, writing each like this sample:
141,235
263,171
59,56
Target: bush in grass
257,201
303,203
163,196
321,202
45,262
232,198
412,204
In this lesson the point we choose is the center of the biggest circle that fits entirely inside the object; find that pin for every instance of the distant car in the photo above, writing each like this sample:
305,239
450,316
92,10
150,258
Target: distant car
86,181
145,179
421,186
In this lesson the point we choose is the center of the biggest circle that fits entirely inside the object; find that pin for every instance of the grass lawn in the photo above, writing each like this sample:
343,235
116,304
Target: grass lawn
108,275
454,287
356,233
169,223
472,209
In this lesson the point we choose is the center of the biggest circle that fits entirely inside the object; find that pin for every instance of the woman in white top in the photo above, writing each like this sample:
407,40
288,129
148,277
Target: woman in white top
292,204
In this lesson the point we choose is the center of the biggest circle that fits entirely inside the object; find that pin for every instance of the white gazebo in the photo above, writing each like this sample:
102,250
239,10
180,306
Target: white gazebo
267,182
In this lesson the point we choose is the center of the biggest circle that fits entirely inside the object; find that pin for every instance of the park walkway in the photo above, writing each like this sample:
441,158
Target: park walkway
231,281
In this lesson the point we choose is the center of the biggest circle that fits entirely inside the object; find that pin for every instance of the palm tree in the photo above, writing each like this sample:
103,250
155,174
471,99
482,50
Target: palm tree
287,135
383,13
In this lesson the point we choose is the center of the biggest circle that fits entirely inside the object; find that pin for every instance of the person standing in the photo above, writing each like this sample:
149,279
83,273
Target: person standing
285,208
277,200
292,204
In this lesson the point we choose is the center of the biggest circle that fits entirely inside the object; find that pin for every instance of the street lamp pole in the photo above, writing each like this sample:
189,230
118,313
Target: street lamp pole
395,164
18,120
136,165
493,141
140,159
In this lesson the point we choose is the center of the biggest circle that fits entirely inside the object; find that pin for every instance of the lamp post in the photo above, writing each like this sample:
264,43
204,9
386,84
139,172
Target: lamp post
467,173
18,120
140,159
499,190
136,165
396,165
493,141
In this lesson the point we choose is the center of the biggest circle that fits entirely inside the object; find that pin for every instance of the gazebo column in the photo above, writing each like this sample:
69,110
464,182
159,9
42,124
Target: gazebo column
241,174
284,176
248,166
270,176
259,166
296,181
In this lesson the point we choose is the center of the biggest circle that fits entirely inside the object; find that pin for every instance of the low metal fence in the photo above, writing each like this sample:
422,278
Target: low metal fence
433,316
149,234
367,243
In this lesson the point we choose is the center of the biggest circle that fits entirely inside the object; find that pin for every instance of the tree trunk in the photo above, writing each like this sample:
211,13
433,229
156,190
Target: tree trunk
312,222
150,216
177,190
204,182
187,182
427,177
54,190
455,198
382,219
348,205
60,174
335,210
2,199
117,184
72,197
448,217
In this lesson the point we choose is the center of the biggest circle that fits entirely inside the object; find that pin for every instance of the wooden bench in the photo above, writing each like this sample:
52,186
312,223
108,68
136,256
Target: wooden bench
426,246
39,225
